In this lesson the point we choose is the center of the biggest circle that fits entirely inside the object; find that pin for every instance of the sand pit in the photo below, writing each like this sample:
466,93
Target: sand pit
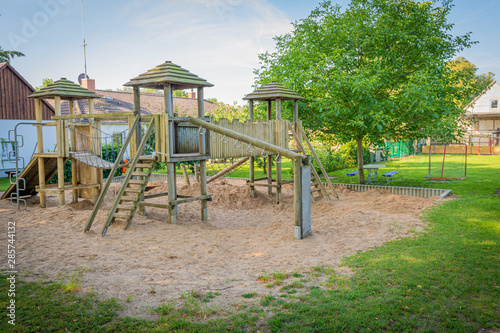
154,261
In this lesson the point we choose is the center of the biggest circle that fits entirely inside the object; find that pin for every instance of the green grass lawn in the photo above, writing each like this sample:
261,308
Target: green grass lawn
446,279
4,184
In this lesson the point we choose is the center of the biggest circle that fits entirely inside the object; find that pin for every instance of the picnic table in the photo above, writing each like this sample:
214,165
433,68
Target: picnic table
371,171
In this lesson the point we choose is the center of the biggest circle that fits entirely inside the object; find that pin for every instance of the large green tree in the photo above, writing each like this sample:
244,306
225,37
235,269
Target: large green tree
6,56
376,70
470,76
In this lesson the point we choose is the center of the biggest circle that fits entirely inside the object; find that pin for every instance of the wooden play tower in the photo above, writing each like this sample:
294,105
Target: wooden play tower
86,181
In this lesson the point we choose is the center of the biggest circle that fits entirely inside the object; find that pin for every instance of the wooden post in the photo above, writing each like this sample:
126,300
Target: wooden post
137,112
74,168
60,150
252,159
203,163
60,180
302,197
41,161
172,179
169,109
269,157
296,145
197,172
278,161
97,146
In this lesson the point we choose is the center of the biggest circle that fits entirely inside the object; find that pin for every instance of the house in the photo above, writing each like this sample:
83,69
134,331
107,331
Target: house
16,108
484,111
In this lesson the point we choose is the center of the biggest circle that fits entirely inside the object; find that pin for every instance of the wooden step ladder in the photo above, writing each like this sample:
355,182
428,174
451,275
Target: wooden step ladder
131,192
316,183
133,186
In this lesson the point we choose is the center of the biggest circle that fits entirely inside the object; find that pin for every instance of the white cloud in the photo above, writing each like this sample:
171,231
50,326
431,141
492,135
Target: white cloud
223,35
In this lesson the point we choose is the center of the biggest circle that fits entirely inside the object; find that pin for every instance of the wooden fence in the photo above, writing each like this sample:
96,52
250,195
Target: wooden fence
274,132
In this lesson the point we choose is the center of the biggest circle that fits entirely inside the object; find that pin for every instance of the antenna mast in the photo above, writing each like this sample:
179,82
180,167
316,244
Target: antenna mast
84,45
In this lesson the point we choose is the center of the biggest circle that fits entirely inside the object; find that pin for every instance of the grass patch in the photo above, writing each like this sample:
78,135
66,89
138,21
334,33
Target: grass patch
5,183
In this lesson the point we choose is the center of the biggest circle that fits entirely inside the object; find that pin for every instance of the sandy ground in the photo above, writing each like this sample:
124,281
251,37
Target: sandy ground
153,261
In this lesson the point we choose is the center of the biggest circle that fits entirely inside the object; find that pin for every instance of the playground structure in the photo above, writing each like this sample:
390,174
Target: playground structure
177,139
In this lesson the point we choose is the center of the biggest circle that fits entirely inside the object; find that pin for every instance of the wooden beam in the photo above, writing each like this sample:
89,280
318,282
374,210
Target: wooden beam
185,174
155,205
194,198
51,189
228,169
156,195
262,184
104,116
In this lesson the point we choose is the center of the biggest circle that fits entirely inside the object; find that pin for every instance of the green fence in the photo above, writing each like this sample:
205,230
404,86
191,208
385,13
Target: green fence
402,148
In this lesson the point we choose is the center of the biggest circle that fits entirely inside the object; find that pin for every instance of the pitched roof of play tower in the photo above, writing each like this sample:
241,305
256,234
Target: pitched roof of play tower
168,73
65,89
272,91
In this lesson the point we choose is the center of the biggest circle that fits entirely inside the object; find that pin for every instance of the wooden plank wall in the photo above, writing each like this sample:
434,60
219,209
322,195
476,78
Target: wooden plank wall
14,103
273,131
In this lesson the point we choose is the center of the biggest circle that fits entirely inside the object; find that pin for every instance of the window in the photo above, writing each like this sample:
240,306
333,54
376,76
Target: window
494,103
7,147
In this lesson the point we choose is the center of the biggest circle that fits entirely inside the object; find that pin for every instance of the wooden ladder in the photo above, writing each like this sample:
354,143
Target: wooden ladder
133,186
316,183
133,190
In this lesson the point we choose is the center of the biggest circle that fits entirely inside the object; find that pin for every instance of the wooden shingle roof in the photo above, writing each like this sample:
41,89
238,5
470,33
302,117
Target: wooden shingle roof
168,73
65,89
272,91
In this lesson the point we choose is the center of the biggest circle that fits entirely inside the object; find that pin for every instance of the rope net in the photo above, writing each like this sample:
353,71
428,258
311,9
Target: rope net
99,151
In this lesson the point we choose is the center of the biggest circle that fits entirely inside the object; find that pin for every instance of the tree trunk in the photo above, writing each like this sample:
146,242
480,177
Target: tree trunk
361,174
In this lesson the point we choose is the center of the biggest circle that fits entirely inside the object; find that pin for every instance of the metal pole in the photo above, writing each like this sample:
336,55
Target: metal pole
84,44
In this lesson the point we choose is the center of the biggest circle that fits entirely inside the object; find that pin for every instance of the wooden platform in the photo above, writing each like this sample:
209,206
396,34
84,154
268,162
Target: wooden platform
30,175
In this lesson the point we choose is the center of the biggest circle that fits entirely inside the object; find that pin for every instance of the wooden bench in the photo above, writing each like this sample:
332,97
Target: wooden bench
352,174
390,175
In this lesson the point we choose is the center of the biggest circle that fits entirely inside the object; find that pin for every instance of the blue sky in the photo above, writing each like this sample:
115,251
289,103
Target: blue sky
218,40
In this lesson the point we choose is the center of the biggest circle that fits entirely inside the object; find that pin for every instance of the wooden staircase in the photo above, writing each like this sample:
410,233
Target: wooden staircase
131,192
133,186
316,183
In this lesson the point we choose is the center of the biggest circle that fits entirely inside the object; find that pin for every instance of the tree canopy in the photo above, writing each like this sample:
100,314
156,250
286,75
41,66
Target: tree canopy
469,76
7,56
376,70
45,83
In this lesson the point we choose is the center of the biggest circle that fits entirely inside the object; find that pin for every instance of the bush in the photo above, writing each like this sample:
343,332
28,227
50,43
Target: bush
110,152
331,161
349,151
